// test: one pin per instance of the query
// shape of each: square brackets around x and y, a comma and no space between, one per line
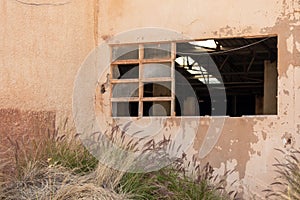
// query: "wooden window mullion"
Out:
[173,57]
[110,78]
[141,85]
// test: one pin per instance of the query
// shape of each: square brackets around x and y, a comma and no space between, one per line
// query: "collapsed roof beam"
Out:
[251,62]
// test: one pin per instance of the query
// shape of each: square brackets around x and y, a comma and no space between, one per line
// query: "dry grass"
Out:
[87,191]
[287,182]
[52,167]
[175,182]
[57,168]
[56,183]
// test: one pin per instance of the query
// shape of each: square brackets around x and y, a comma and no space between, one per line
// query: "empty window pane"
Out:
[125,109]
[125,52]
[157,89]
[125,90]
[152,70]
[130,71]
[153,51]
[157,108]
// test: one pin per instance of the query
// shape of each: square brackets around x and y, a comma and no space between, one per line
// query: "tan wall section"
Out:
[197,19]
[41,48]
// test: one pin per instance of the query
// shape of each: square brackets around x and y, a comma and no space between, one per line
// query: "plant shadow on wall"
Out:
[57,166]
[287,183]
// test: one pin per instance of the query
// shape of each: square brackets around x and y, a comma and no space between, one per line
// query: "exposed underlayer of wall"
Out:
[42,45]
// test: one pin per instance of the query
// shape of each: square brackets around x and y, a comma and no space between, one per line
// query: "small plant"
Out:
[287,184]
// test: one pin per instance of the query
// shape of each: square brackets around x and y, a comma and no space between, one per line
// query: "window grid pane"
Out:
[160,74]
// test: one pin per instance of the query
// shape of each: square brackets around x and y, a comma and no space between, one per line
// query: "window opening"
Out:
[144,82]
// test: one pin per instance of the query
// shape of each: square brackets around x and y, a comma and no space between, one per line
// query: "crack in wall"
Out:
[42,4]
[96,21]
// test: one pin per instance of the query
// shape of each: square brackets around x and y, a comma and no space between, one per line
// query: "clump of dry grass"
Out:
[3,180]
[38,183]
[52,167]
[53,148]
[87,191]
[287,183]
[175,182]
[56,182]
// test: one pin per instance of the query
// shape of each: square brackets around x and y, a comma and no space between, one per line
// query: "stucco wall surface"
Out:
[246,143]
[43,43]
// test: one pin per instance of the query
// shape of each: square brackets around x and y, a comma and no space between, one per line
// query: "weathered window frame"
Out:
[141,61]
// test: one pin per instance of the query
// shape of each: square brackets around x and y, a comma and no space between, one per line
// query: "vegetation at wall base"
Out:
[59,167]
[168,183]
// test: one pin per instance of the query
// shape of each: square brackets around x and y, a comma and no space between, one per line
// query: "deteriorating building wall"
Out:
[247,143]
[43,44]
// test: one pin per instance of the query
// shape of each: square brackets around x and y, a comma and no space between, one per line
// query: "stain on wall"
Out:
[19,126]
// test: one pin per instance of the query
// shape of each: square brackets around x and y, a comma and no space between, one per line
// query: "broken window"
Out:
[143,79]
[144,82]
